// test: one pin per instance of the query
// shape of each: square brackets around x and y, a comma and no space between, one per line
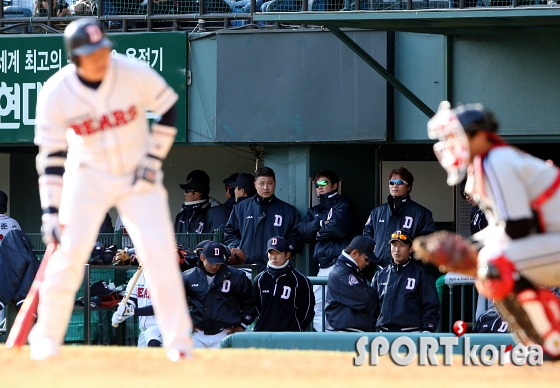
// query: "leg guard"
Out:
[533,314]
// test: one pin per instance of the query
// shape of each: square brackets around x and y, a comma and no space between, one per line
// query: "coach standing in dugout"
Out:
[254,221]
[283,296]
[220,297]
[329,226]
[350,300]
[407,300]
[400,212]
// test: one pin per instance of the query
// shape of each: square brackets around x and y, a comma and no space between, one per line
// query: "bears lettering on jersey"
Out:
[143,293]
[115,119]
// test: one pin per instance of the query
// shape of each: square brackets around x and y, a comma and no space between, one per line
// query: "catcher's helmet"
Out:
[474,117]
[83,37]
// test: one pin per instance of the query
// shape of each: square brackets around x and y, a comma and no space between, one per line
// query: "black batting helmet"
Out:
[474,117]
[83,37]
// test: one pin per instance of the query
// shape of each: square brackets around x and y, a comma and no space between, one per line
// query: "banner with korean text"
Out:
[27,61]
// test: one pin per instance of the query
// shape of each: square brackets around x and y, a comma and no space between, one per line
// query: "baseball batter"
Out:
[140,304]
[95,152]
[520,197]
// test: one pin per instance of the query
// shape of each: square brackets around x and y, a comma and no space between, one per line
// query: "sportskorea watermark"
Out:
[428,347]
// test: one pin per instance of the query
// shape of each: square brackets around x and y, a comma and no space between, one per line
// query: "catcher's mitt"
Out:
[448,251]
[121,258]
[236,256]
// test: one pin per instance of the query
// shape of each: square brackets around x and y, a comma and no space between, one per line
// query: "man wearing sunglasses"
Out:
[192,216]
[350,300]
[400,212]
[329,226]
[518,250]
[407,300]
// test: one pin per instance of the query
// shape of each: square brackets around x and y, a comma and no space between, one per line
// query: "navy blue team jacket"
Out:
[226,302]
[331,238]
[191,218]
[349,298]
[284,300]
[490,322]
[255,221]
[400,213]
[407,298]
[217,216]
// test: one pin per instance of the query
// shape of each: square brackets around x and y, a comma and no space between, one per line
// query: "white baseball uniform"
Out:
[7,224]
[148,325]
[106,134]
[513,185]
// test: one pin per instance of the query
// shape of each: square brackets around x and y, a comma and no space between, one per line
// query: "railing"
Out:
[22,16]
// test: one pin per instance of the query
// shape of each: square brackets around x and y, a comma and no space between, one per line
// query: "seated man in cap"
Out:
[350,300]
[217,216]
[192,217]
[406,293]
[283,296]
[220,297]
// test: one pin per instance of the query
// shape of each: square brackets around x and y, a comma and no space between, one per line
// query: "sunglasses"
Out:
[322,183]
[190,191]
[399,236]
[399,182]
[362,253]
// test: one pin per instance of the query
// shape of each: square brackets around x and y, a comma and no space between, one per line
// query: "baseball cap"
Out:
[196,185]
[99,288]
[399,235]
[214,252]
[231,179]
[279,244]
[3,202]
[245,181]
[364,244]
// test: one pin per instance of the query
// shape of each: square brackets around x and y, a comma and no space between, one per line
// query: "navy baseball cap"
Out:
[196,185]
[99,288]
[214,252]
[229,181]
[366,245]
[399,235]
[279,244]
[245,181]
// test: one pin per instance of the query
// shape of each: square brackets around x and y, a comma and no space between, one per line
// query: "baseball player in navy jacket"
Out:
[283,296]
[329,226]
[220,297]
[399,212]
[349,297]
[254,221]
[406,293]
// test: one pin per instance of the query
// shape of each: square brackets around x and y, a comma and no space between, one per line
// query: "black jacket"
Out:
[191,218]
[255,221]
[349,298]
[284,300]
[226,302]
[217,217]
[18,266]
[400,213]
[407,298]
[332,237]
[478,220]
[490,322]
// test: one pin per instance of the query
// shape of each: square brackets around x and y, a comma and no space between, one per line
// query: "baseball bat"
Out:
[26,315]
[132,285]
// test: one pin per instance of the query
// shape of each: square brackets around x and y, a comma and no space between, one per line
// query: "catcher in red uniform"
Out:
[518,254]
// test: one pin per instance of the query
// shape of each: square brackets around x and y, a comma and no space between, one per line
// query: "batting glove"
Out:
[122,313]
[146,174]
[50,228]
